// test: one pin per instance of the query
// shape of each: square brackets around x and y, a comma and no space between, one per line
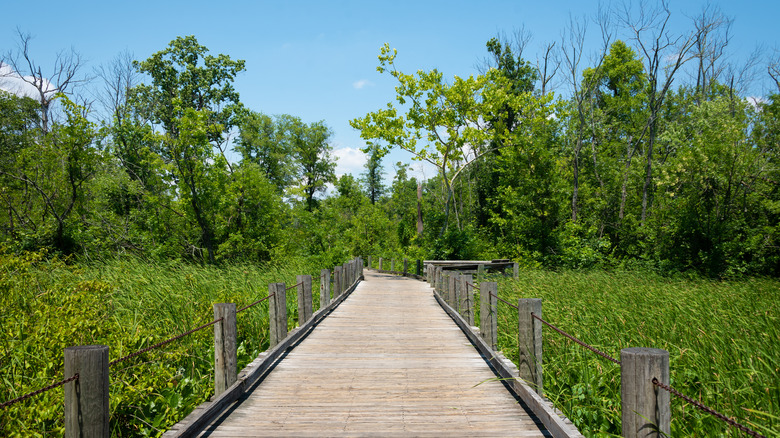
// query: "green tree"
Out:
[444,124]
[311,149]
[373,176]
[192,98]
[262,140]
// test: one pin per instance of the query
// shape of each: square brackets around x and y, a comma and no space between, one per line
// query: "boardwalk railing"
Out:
[86,390]
[645,390]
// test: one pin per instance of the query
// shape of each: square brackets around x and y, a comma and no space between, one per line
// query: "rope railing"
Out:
[39,391]
[588,346]
[505,301]
[707,409]
[255,303]
[165,342]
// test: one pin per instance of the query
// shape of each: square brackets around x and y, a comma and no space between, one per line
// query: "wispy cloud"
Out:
[359,85]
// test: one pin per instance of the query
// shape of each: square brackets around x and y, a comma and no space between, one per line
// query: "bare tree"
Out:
[64,74]
[773,68]
[664,54]
[712,36]
[573,43]
[118,76]
[548,65]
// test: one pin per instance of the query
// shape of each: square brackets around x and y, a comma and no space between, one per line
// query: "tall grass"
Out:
[127,305]
[723,339]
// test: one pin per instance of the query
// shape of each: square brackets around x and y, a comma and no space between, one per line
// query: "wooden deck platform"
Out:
[387,362]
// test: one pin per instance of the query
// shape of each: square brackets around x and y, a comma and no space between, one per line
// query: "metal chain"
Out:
[589,347]
[255,303]
[707,409]
[160,344]
[40,391]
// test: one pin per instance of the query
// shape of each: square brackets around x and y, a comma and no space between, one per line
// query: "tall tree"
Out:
[445,125]
[311,148]
[373,176]
[192,98]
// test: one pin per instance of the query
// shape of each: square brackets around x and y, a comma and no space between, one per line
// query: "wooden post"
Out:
[86,399]
[452,292]
[481,272]
[304,299]
[516,271]
[440,279]
[225,354]
[380,263]
[466,298]
[392,265]
[277,313]
[369,262]
[487,312]
[418,271]
[406,267]
[529,342]
[646,410]
[324,288]
[337,280]
[347,275]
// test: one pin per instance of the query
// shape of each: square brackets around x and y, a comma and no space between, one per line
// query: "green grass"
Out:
[128,305]
[723,339]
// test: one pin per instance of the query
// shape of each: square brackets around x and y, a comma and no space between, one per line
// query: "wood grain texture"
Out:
[387,362]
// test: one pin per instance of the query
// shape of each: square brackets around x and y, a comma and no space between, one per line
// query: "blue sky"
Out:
[317,59]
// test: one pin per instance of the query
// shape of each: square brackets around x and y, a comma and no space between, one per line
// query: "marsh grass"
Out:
[723,339]
[128,305]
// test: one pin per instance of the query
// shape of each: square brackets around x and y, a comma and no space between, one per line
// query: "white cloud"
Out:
[349,160]
[12,82]
[359,85]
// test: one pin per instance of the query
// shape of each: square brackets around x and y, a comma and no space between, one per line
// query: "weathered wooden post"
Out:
[225,353]
[646,410]
[380,263]
[86,399]
[337,281]
[324,288]
[418,271]
[488,323]
[304,298]
[369,262]
[429,274]
[440,279]
[452,293]
[406,267]
[392,265]
[277,313]
[481,271]
[529,342]
[465,300]
[516,270]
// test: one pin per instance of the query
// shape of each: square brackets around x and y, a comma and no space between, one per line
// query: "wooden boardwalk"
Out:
[387,362]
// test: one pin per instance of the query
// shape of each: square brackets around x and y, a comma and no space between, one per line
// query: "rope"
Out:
[707,409]
[589,347]
[505,301]
[294,286]
[160,344]
[255,303]
[40,391]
